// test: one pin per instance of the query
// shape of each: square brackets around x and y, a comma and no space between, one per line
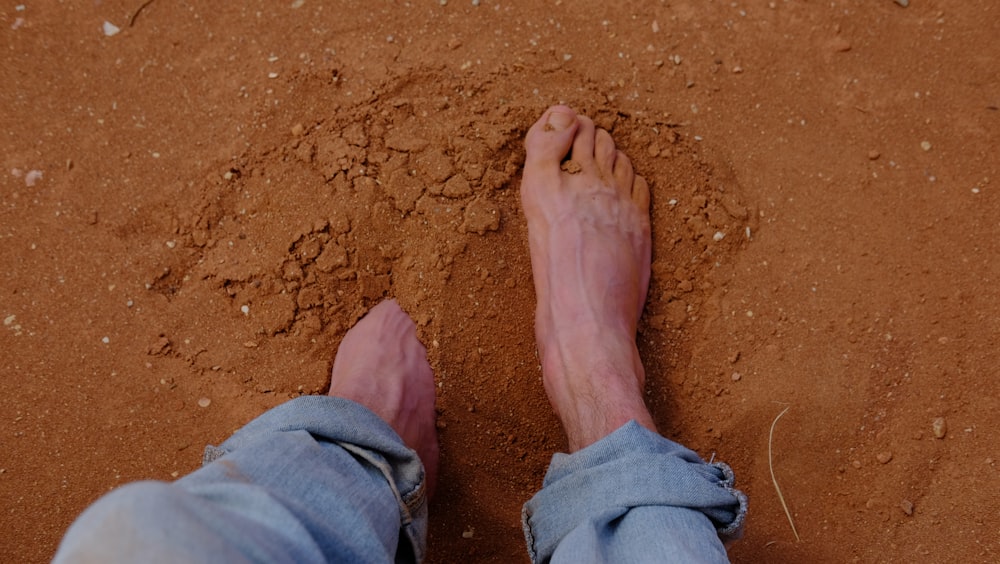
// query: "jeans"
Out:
[321,479]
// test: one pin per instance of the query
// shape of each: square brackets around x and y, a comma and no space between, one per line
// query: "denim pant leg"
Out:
[633,496]
[313,480]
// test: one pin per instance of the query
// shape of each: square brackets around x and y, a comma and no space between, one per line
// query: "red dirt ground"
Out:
[307,159]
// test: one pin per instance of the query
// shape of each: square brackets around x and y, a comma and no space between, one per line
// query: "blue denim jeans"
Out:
[321,479]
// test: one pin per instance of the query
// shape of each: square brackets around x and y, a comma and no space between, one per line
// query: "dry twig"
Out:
[770,465]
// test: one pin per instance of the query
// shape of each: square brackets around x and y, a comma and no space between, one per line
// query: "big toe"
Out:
[549,140]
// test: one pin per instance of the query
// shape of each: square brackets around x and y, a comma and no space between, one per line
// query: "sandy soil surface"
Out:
[195,209]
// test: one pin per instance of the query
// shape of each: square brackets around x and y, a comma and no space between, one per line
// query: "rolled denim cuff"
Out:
[360,432]
[630,468]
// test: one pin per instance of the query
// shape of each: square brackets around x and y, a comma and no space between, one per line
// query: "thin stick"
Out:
[770,465]
[131,21]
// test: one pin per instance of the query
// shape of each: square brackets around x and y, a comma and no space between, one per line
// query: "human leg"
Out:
[589,237]
[316,479]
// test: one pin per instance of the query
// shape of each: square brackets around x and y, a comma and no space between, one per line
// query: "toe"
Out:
[583,144]
[623,173]
[640,193]
[551,137]
[604,153]
[388,307]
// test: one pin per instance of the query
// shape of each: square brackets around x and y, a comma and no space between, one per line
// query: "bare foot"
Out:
[382,365]
[589,235]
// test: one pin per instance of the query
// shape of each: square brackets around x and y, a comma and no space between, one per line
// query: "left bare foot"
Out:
[383,366]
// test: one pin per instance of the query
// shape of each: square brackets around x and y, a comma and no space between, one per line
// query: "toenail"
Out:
[560,120]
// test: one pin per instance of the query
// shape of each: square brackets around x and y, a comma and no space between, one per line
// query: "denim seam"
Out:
[733,530]
[405,514]
[529,537]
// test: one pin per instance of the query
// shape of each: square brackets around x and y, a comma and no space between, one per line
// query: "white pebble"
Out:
[110,29]
[9,319]
[245,309]
[204,402]
[105,340]
[719,235]
[171,244]
[32,177]
[272,75]
[925,145]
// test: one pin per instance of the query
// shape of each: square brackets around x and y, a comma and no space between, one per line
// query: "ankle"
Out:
[595,387]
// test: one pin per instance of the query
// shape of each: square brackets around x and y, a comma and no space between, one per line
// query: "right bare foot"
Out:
[589,236]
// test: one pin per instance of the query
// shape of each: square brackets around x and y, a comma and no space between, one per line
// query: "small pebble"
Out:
[903,3]
[873,155]
[468,533]
[940,427]
[105,340]
[32,177]
[719,235]
[245,309]
[856,464]
[110,29]
[298,129]
[884,457]
[925,145]
[907,506]
[840,45]
[204,402]
[737,376]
